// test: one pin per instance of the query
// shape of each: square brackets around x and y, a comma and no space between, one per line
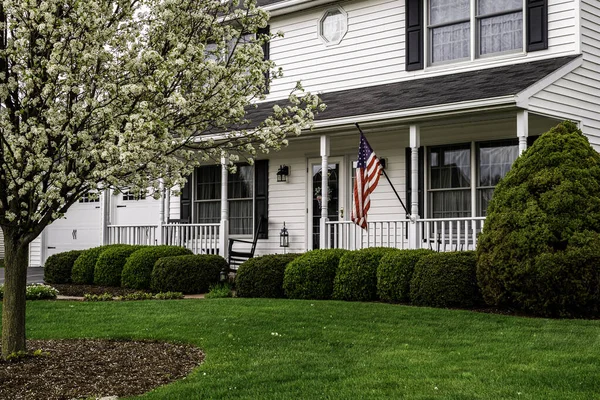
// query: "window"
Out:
[494,160]
[498,25]
[246,193]
[333,26]
[127,196]
[450,181]
[450,188]
[90,197]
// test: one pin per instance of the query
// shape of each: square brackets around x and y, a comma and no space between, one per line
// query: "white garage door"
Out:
[81,229]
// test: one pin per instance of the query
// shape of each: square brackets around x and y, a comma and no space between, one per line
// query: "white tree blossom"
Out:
[119,93]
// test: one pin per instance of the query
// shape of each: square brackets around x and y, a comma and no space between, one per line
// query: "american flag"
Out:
[368,169]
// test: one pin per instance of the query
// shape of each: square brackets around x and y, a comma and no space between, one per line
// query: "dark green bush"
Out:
[395,272]
[311,275]
[542,223]
[110,265]
[83,268]
[356,278]
[58,267]
[187,274]
[446,280]
[138,268]
[263,276]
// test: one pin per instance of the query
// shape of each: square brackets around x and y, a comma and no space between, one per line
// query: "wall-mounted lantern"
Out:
[282,173]
[284,237]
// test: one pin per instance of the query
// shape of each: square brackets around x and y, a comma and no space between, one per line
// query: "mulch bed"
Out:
[80,290]
[83,368]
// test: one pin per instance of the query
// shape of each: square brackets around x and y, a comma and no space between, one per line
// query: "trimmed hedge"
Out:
[446,280]
[311,275]
[356,278]
[110,265]
[137,271]
[187,274]
[58,267]
[263,276]
[395,272]
[83,268]
[538,251]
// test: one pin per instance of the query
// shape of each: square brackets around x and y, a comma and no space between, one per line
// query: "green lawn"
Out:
[284,349]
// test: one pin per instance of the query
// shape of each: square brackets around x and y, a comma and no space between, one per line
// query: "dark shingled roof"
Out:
[262,3]
[438,90]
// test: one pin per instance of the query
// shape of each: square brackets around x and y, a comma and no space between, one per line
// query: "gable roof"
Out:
[434,91]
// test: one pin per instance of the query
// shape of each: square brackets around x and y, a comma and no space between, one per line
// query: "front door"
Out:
[336,199]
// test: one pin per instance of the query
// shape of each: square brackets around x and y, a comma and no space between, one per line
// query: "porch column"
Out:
[161,218]
[224,224]
[413,229]
[522,129]
[105,215]
[324,190]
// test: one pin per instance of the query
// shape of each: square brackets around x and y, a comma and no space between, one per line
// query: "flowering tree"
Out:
[111,93]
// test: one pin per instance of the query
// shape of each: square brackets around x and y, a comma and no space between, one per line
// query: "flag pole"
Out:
[387,177]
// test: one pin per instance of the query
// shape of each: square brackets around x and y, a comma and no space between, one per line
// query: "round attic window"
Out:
[333,26]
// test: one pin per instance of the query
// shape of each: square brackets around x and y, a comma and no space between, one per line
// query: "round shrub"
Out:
[137,271]
[395,272]
[58,267]
[542,223]
[263,276]
[187,274]
[83,268]
[110,265]
[356,278]
[446,280]
[311,275]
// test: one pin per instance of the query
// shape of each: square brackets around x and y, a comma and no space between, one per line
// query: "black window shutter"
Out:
[414,35]
[537,25]
[266,47]
[185,210]
[409,181]
[261,197]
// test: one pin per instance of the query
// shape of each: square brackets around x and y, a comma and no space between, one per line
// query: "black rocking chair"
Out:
[238,257]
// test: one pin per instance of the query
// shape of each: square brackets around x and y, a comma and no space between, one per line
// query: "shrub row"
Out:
[160,268]
[422,277]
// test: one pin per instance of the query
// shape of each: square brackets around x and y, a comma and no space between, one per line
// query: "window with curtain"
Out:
[450,29]
[208,195]
[494,160]
[500,25]
[450,181]
[240,193]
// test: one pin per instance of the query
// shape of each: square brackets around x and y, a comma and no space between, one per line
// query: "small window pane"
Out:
[453,170]
[208,212]
[495,161]
[451,204]
[241,183]
[448,11]
[483,201]
[486,7]
[333,26]
[240,217]
[502,33]
[451,42]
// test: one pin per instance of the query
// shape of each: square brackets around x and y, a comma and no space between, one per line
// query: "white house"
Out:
[448,92]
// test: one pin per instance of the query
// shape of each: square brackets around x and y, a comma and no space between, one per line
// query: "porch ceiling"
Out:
[437,91]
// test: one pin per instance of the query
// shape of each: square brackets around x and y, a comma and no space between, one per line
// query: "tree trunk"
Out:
[13,305]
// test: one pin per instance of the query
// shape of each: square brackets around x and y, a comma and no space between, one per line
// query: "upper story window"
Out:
[498,26]
[333,26]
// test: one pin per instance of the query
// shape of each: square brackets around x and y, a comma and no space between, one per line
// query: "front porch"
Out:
[458,160]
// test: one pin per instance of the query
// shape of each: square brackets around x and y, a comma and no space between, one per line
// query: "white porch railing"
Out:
[132,234]
[347,235]
[450,234]
[199,238]
[439,234]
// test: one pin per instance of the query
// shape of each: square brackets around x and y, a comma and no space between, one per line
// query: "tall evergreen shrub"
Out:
[540,247]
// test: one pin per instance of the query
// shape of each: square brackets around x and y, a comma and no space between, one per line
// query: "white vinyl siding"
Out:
[577,95]
[372,51]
